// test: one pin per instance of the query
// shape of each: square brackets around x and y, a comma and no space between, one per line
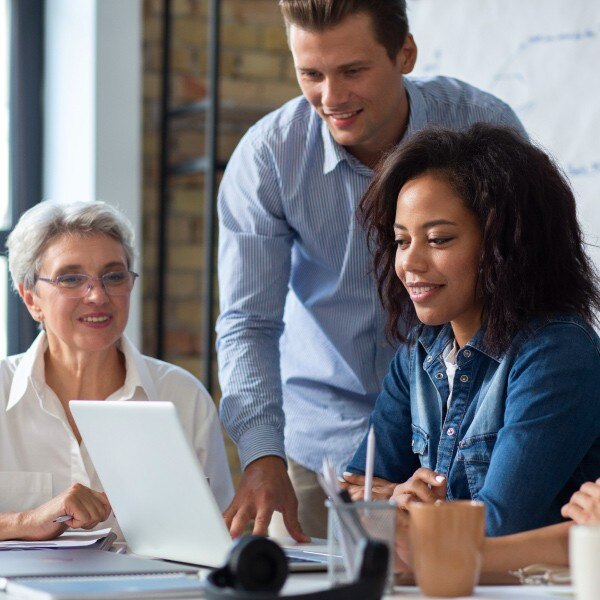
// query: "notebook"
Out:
[81,562]
[92,573]
[107,587]
[156,485]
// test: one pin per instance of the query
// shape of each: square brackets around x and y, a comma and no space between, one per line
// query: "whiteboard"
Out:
[540,56]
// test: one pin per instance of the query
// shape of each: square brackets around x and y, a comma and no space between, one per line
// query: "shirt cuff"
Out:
[259,441]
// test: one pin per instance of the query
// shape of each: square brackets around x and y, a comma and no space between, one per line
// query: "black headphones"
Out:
[257,569]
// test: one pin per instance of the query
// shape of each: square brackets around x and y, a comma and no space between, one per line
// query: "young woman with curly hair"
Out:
[493,394]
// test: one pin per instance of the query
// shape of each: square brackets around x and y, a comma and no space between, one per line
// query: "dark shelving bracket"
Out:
[208,164]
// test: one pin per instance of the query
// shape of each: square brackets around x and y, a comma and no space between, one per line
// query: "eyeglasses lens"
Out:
[117,283]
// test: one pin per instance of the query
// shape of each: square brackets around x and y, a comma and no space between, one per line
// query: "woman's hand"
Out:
[86,507]
[355,484]
[424,486]
[584,505]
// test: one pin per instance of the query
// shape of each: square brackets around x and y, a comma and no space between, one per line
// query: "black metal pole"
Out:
[26,139]
[163,192]
[210,181]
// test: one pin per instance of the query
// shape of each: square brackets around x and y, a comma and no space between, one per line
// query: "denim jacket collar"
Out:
[434,339]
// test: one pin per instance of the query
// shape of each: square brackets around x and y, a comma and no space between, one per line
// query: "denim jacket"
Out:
[522,432]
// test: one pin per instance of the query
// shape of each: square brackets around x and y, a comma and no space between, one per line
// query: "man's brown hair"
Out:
[390,22]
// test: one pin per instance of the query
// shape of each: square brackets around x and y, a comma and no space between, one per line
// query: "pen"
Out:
[370,463]
[62,519]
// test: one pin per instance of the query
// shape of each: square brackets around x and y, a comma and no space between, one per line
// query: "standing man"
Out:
[301,346]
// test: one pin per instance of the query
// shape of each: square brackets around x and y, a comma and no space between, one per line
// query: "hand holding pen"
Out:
[382,489]
[78,507]
[368,487]
[425,485]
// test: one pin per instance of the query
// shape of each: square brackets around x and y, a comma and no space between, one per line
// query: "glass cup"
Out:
[584,558]
[347,524]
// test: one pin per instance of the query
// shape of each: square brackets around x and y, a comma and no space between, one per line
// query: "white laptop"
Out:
[156,486]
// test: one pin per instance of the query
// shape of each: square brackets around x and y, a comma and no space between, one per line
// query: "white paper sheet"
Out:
[69,539]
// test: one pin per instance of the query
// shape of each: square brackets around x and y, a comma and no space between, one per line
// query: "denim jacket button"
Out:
[464,378]
[429,359]
[439,376]
[467,354]
[451,431]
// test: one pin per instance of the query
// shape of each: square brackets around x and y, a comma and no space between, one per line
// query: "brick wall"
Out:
[256,76]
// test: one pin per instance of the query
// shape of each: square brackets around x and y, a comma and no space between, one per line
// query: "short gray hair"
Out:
[47,220]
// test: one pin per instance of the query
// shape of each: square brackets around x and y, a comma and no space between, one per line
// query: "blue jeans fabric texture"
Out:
[522,432]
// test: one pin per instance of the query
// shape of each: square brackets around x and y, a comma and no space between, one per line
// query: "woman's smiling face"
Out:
[94,322]
[439,245]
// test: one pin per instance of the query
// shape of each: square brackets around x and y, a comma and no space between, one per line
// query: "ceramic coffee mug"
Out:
[584,558]
[447,546]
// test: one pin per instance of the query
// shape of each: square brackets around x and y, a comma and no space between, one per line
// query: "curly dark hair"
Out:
[532,262]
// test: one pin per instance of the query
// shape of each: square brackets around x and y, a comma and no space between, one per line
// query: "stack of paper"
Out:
[101,539]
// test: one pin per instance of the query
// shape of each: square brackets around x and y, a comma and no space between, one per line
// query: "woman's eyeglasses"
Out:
[78,285]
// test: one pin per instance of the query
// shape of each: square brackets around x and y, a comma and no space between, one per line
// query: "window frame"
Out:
[26,65]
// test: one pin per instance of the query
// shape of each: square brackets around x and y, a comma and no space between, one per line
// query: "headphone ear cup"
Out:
[257,564]
[374,562]
[221,578]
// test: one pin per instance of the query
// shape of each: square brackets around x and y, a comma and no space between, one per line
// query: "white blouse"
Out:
[39,454]
[449,357]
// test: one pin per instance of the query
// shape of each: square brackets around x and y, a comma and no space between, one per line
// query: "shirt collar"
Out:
[334,153]
[435,339]
[477,343]
[417,112]
[137,373]
[450,352]
[30,371]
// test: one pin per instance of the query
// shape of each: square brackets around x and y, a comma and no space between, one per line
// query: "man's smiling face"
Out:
[350,80]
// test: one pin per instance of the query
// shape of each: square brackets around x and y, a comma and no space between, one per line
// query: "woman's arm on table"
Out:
[548,545]
[86,507]
[545,545]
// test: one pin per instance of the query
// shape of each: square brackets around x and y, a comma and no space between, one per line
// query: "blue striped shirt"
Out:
[301,328]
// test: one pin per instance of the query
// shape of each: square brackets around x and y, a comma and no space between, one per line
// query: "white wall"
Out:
[92,110]
[541,58]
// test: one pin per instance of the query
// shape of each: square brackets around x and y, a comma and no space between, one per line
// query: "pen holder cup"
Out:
[347,524]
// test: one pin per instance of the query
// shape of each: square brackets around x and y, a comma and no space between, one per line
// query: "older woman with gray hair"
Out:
[72,266]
